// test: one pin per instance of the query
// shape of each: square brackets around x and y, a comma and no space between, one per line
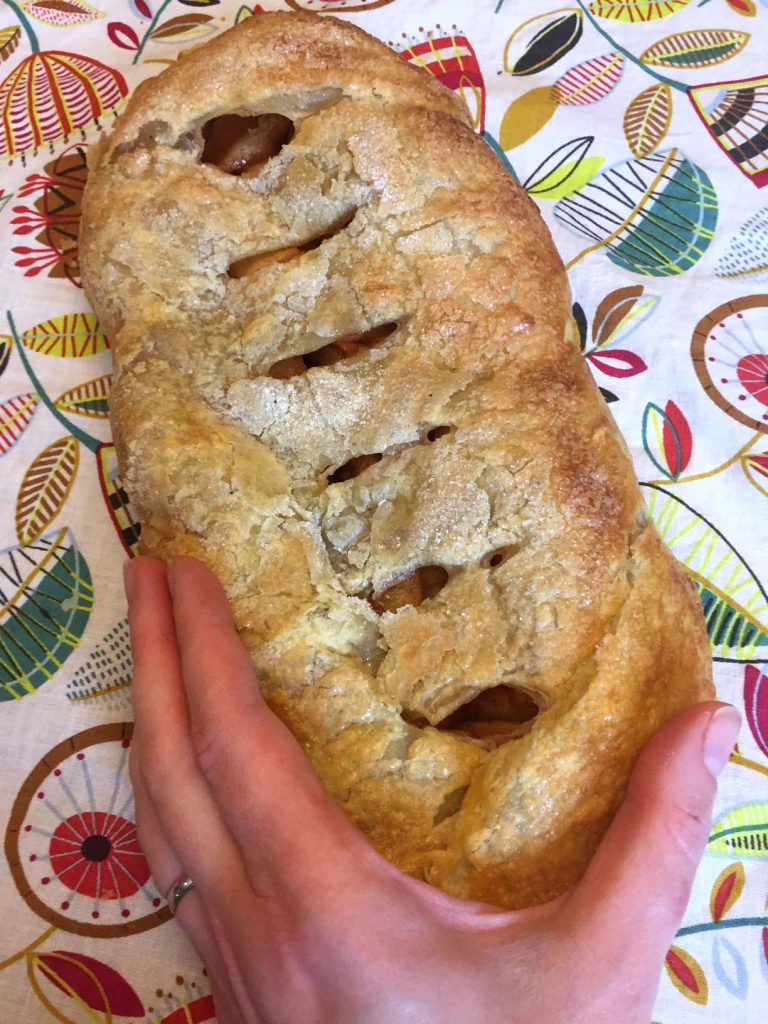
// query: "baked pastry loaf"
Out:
[346,377]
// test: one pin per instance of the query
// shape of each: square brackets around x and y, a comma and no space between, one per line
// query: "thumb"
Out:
[636,889]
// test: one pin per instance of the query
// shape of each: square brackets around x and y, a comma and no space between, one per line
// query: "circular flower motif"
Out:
[97,854]
[71,840]
[729,349]
[752,371]
[50,94]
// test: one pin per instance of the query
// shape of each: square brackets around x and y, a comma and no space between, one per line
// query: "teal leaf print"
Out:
[741,832]
[88,399]
[46,597]
[655,216]
[699,49]
[734,602]
[502,156]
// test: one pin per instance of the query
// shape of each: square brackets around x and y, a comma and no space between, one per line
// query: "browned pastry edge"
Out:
[347,379]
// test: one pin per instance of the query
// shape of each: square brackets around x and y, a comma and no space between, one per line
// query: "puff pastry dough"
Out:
[346,377]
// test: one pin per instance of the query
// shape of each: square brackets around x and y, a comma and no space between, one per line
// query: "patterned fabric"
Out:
[641,130]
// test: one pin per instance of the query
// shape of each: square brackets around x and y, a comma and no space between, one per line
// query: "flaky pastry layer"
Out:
[347,378]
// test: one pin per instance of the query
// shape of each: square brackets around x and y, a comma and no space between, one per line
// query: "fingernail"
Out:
[720,737]
[128,580]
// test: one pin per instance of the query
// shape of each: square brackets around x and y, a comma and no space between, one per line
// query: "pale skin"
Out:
[300,921]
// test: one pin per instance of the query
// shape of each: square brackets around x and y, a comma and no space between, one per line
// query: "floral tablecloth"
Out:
[641,130]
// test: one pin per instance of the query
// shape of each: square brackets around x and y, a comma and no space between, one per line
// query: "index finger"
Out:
[266,789]
[162,749]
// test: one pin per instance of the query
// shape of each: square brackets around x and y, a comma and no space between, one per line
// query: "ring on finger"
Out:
[178,891]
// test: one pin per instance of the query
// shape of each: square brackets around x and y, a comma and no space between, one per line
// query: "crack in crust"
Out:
[463,472]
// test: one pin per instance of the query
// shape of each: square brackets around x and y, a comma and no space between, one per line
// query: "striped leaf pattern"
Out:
[45,488]
[685,973]
[9,40]
[647,118]
[589,81]
[51,94]
[654,216]
[636,10]
[736,116]
[117,501]
[62,12]
[741,832]
[46,597]
[6,342]
[453,61]
[698,49]
[15,414]
[734,602]
[73,336]
[88,399]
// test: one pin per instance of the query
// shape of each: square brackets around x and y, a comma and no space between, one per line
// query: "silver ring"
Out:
[178,891]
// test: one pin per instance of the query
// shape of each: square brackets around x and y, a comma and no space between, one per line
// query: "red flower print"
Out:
[71,840]
[752,371]
[51,94]
[729,349]
[54,218]
[97,854]
[452,60]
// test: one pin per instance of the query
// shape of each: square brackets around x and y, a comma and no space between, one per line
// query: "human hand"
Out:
[300,921]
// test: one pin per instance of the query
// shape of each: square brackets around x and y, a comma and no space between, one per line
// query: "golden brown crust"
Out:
[237,396]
